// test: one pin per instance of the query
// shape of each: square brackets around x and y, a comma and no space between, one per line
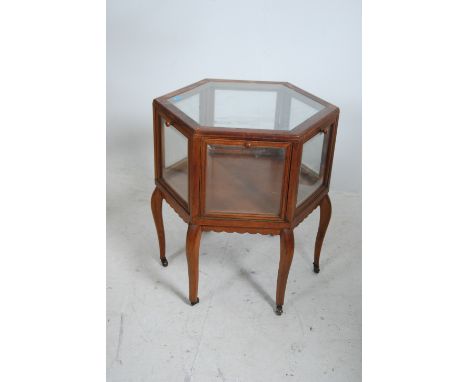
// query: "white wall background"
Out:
[154,47]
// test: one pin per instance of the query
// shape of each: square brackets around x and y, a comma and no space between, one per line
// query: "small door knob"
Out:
[248,145]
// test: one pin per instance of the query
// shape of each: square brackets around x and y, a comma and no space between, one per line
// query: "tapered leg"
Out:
[325,215]
[286,256]
[192,248]
[156,208]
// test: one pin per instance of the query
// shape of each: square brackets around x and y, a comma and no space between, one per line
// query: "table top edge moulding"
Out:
[243,156]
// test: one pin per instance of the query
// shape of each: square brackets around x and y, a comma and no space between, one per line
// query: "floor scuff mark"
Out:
[119,343]
[221,375]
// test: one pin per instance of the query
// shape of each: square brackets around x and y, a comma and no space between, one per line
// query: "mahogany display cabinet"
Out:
[243,156]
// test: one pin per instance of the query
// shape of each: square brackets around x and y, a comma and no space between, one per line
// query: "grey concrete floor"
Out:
[153,334]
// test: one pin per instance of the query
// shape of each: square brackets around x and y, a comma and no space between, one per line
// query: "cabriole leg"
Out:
[192,248]
[286,256]
[325,215]
[156,208]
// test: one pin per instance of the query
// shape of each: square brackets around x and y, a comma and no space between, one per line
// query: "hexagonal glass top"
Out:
[247,105]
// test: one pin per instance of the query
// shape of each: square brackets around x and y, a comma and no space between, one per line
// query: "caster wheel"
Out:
[194,303]
[316,268]
[164,262]
[279,310]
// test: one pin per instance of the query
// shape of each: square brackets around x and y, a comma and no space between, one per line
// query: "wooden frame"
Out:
[192,211]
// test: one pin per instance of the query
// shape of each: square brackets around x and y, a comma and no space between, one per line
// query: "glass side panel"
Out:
[246,105]
[300,111]
[175,159]
[311,175]
[190,105]
[243,179]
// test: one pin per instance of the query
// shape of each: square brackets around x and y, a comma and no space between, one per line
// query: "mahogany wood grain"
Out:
[286,256]
[251,230]
[192,248]
[194,175]
[331,151]
[325,215]
[156,208]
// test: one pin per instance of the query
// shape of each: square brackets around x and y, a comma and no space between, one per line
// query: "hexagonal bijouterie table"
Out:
[243,156]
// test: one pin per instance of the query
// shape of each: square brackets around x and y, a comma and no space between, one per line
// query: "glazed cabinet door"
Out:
[244,177]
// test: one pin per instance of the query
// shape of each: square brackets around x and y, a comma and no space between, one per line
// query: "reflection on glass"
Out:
[300,111]
[312,170]
[248,109]
[246,105]
[190,105]
[175,163]
[243,179]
